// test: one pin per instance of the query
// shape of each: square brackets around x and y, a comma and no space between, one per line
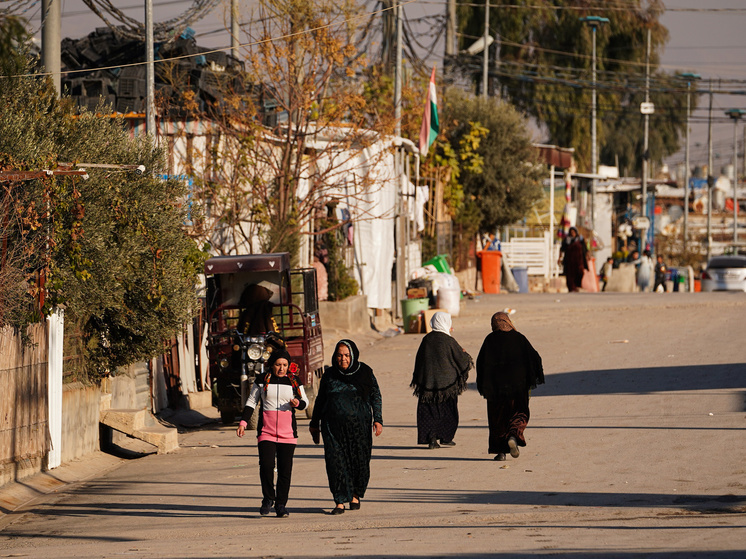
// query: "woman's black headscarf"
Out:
[358,374]
[280,353]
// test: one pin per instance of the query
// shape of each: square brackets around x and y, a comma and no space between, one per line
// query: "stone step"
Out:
[140,424]
[166,439]
[124,420]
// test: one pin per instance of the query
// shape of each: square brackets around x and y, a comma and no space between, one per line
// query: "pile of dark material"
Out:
[110,68]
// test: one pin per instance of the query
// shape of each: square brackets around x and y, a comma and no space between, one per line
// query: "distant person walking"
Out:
[346,413]
[508,368]
[606,270]
[660,274]
[644,271]
[441,370]
[277,433]
[573,257]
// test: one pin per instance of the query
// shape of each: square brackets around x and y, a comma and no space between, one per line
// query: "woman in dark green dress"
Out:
[346,413]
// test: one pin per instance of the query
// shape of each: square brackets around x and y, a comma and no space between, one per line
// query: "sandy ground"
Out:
[636,448]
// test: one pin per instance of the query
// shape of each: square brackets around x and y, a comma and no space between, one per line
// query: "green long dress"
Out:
[346,417]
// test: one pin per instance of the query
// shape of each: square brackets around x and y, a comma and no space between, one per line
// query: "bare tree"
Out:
[291,134]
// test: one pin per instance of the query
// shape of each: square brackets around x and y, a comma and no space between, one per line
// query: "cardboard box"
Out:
[417,293]
[428,315]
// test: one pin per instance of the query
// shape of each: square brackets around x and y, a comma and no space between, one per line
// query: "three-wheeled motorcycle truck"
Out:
[256,304]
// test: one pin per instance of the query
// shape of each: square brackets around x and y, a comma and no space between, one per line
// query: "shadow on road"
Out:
[654,379]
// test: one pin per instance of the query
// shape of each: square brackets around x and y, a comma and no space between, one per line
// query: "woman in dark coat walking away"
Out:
[346,413]
[441,369]
[508,367]
[574,259]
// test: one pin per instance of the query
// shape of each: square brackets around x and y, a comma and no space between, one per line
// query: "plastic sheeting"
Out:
[367,189]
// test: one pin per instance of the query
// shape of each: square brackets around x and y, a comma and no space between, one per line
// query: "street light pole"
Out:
[689,77]
[594,22]
[645,146]
[486,57]
[736,115]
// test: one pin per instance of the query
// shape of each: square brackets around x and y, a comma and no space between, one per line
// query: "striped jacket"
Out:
[277,420]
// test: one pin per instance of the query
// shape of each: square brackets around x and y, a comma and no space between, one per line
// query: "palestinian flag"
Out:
[430,123]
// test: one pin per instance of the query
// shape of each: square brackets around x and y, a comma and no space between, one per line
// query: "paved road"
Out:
[635,448]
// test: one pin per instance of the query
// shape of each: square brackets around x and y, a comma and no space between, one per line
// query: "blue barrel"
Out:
[521,278]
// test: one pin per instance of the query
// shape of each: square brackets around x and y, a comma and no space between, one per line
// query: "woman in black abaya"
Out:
[508,367]
[441,369]
[347,412]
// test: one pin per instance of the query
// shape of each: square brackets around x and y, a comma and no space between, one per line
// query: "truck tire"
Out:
[227,417]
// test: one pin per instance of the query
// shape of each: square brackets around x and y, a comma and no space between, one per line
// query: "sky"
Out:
[705,38]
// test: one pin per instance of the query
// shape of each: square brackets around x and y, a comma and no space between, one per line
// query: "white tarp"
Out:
[367,189]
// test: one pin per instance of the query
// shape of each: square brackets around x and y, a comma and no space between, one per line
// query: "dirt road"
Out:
[636,447]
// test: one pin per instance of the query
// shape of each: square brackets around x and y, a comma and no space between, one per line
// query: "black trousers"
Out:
[267,452]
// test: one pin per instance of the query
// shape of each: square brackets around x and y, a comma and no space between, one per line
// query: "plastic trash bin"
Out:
[675,279]
[520,274]
[440,262]
[490,270]
[411,308]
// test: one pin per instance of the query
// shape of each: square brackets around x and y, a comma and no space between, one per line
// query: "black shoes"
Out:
[266,507]
[339,510]
[281,511]
[433,444]
[513,444]
[354,505]
[448,443]
[500,457]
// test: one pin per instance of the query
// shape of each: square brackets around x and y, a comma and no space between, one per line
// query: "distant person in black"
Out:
[573,256]
[660,273]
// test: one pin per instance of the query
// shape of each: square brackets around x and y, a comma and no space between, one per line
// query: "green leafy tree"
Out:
[502,181]
[545,59]
[116,256]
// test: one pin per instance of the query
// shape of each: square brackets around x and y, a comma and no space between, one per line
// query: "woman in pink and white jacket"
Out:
[277,432]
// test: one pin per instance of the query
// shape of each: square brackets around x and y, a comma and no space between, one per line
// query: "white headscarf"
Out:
[441,322]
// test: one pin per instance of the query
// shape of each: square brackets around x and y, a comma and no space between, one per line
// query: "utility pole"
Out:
[594,22]
[710,178]
[51,23]
[486,58]
[736,115]
[689,77]
[450,49]
[398,67]
[645,154]
[401,218]
[234,28]
[150,70]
